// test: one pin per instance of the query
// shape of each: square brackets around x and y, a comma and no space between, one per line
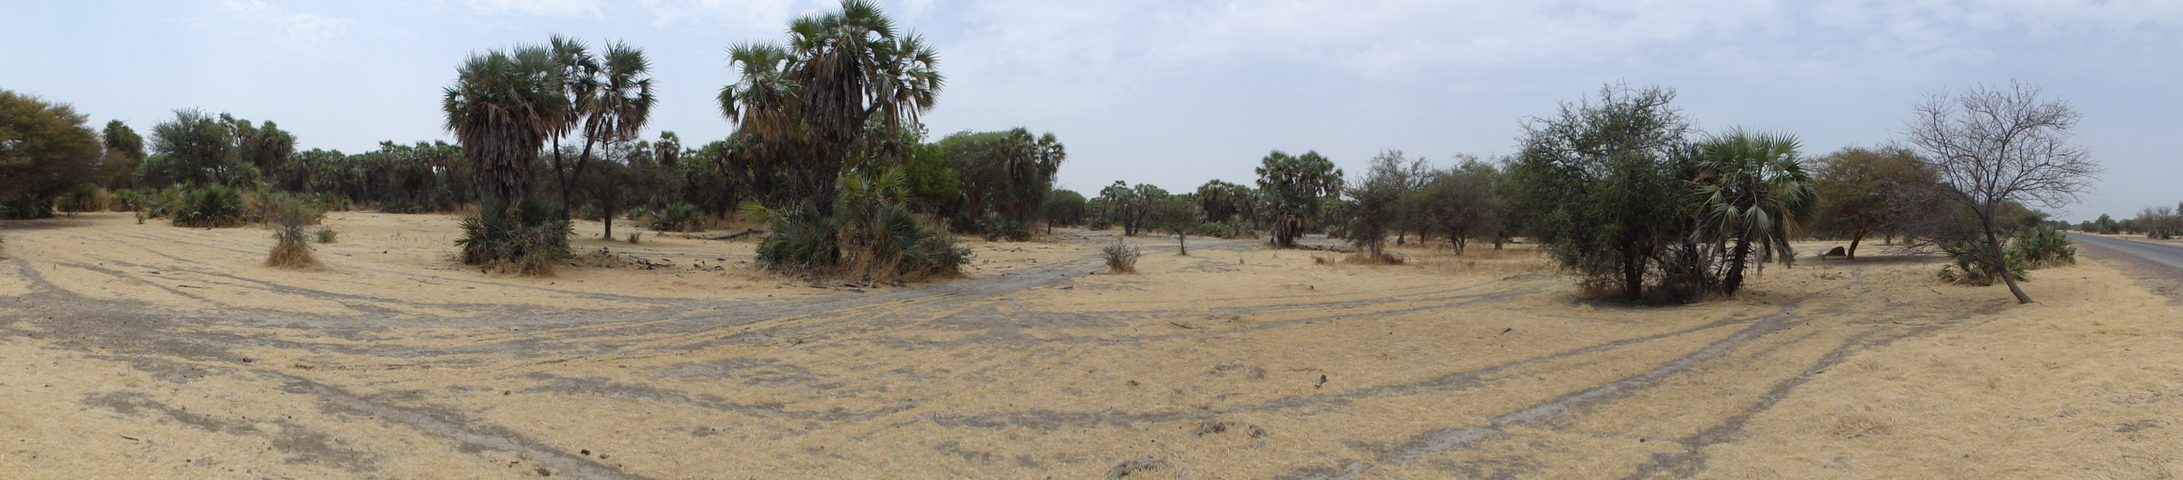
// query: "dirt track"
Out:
[1236,362]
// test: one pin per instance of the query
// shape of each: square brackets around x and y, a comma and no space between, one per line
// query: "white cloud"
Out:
[550,8]
[771,15]
[296,29]
[1097,48]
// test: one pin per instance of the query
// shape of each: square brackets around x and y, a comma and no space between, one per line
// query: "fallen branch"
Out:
[730,236]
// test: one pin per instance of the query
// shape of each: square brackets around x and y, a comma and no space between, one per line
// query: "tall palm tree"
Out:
[840,73]
[502,107]
[616,104]
[766,107]
[1752,189]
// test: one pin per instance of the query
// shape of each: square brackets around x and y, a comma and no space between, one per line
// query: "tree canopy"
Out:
[1599,183]
[45,149]
[1293,190]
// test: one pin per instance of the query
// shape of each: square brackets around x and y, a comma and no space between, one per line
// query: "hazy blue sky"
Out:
[1174,92]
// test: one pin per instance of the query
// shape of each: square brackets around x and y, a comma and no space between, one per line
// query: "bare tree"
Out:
[1995,145]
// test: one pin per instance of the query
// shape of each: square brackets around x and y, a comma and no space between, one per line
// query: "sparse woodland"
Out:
[830,155]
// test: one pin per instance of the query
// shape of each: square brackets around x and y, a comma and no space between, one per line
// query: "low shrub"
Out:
[678,217]
[2044,246]
[872,236]
[1965,268]
[209,207]
[527,239]
[125,201]
[83,198]
[26,207]
[1215,230]
[1098,224]
[996,228]
[1121,258]
[165,202]
[288,215]
[328,235]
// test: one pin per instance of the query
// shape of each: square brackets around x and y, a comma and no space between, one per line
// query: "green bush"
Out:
[26,207]
[328,235]
[1216,230]
[1965,268]
[125,201]
[2043,246]
[165,202]
[1098,224]
[209,207]
[678,217]
[872,236]
[83,198]
[528,239]
[996,228]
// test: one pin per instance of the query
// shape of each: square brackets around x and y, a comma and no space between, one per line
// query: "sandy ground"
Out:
[150,351]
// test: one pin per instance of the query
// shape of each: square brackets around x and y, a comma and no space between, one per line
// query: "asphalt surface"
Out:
[2170,256]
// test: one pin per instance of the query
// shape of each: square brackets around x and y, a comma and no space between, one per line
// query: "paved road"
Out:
[2170,256]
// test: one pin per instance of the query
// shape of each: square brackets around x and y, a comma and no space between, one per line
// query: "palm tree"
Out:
[502,107]
[1752,189]
[840,74]
[765,105]
[616,104]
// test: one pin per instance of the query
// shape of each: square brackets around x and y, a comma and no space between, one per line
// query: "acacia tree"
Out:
[2161,223]
[45,149]
[1064,208]
[1602,183]
[1463,203]
[1995,146]
[193,148]
[124,152]
[1293,192]
[1866,191]
[1378,201]
[1177,214]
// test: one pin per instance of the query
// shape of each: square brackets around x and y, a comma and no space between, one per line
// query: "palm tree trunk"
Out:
[1633,272]
[1736,260]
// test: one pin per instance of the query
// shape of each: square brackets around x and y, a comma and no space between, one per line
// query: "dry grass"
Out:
[1236,362]
[1120,257]
[291,249]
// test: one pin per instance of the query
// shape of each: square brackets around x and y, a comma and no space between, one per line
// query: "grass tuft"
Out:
[1121,258]
[288,216]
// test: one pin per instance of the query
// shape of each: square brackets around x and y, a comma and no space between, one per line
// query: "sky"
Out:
[1175,92]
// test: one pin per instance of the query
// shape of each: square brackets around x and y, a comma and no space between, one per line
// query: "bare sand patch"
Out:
[1233,362]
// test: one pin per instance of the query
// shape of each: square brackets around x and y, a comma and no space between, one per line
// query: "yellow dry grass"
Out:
[147,351]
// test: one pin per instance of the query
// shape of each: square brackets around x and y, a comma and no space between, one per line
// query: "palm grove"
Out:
[829,153]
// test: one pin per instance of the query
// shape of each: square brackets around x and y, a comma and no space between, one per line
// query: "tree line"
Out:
[829,152]
[1623,190]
